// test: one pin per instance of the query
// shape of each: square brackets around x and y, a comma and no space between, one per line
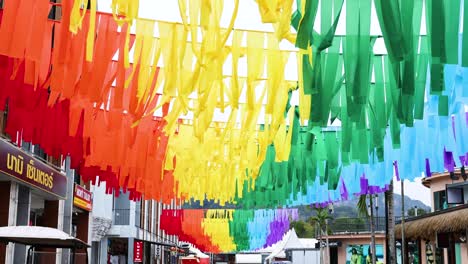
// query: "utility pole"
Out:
[390,225]
[372,228]
[403,243]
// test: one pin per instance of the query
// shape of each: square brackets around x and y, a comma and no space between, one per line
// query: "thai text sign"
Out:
[82,198]
[15,163]
[137,251]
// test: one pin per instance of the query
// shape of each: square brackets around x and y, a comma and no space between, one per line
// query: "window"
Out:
[77,178]
[149,215]
[440,202]
[39,152]
[142,213]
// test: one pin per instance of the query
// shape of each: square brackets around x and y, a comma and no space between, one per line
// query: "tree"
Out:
[303,229]
[321,219]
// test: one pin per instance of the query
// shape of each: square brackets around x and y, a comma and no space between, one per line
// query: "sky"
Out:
[248,18]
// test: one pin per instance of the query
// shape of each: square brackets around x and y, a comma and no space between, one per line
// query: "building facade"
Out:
[126,231]
[440,236]
[39,190]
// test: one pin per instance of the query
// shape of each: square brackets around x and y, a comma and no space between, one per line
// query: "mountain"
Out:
[349,208]
[341,209]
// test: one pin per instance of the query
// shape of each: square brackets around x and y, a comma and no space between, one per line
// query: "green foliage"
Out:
[362,206]
[303,229]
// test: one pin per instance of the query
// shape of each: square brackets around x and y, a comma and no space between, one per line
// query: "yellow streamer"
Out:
[125,11]
[77,15]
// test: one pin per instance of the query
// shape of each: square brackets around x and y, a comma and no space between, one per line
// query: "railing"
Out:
[356,225]
[121,217]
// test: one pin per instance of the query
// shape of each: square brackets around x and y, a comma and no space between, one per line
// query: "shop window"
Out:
[149,216]
[26,146]
[77,178]
[57,162]
[440,201]
[138,214]
[39,153]
[122,209]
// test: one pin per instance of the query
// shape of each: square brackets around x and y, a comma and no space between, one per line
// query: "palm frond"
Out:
[362,206]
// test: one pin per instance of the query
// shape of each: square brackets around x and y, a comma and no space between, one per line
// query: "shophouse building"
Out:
[440,236]
[38,190]
[127,231]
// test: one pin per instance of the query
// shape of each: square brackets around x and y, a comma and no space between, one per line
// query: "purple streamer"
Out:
[364,185]
[428,168]
[280,225]
[449,163]
[343,190]
[397,173]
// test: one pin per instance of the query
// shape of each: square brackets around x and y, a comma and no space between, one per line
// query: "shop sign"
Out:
[15,163]
[330,244]
[138,251]
[82,198]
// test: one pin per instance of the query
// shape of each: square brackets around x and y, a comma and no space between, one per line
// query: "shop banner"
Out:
[137,251]
[15,163]
[82,198]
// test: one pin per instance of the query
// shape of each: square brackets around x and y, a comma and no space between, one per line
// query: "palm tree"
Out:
[362,211]
[321,219]
[390,217]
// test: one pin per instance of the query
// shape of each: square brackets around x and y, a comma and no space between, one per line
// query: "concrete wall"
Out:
[102,202]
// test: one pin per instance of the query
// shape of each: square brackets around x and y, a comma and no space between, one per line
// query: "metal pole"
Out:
[28,258]
[387,248]
[372,228]
[403,242]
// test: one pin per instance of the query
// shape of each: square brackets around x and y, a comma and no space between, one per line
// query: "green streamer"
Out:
[421,81]
[465,34]
[388,13]
[443,105]
[452,15]
[306,24]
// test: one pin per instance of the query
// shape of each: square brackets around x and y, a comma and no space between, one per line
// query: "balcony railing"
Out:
[356,225]
[121,216]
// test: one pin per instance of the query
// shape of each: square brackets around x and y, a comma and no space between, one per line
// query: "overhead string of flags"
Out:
[141,111]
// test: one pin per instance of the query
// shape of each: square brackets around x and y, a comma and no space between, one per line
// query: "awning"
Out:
[40,236]
[450,220]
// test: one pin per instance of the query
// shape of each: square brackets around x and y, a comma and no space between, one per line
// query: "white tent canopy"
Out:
[289,241]
[40,236]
